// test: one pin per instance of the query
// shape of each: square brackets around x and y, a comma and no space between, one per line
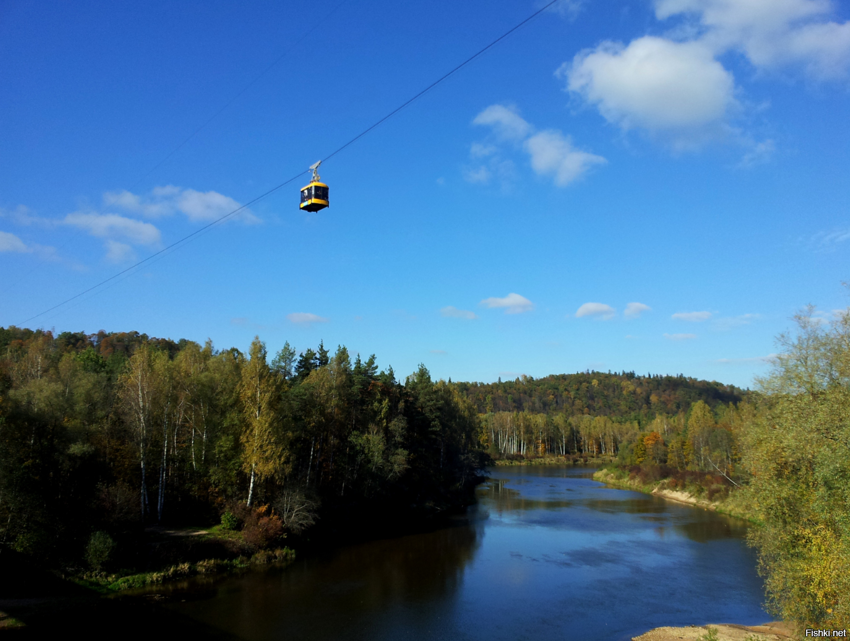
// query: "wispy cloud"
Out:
[25,217]
[692,317]
[512,303]
[119,252]
[438,352]
[477,175]
[166,200]
[759,154]
[505,121]
[598,310]
[634,310]
[454,312]
[826,241]
[113,226]
[680,337]
[551,153]
[731,322]
[11,243]
[305,319]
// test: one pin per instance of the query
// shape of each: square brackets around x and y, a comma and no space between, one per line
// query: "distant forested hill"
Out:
[625,396]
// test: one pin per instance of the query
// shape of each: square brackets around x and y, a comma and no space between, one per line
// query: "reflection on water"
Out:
[547,552]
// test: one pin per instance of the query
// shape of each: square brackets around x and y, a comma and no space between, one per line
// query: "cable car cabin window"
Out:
[305,195]
[320,192]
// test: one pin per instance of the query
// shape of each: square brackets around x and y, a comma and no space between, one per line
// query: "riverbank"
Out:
[555,460]
[732,504]
[774,631]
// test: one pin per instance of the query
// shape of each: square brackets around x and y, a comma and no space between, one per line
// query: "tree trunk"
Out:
[251,486]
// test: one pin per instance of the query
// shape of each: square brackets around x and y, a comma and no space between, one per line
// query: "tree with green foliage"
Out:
[798,453]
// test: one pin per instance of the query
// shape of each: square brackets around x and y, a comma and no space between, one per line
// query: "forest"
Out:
[104,434]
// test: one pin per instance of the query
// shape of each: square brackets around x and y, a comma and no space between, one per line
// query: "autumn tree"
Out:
[259,393]
[798,453]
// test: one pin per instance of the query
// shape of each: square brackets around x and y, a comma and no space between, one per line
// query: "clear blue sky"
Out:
[647,185]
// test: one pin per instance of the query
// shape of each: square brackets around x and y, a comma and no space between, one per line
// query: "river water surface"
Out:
[547,553]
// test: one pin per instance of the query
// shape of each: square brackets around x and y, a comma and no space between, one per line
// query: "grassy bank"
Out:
[699,490]
[116,582]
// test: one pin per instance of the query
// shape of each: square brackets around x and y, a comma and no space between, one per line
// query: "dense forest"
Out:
[105,433]
[594,414]
[624,396]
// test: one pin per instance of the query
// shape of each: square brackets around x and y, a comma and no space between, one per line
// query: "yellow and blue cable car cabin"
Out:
[315,195]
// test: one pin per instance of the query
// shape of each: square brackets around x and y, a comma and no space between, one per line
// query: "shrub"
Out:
[261,529]
[717,492]
[99,549]
[229,521]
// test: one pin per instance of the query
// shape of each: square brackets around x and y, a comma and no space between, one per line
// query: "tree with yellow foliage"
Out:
[259,393]
[798,453]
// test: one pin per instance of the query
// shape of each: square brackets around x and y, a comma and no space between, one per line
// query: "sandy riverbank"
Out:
[731,506]
[775,631]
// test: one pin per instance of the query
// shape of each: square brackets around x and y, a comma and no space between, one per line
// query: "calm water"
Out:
[547,553]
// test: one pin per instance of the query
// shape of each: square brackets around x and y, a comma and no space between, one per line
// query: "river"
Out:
[547,553]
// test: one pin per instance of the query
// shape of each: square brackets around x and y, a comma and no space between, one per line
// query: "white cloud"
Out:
[692,317]
[603,311]
[734,321]
[568,8]
[169,199]
[119,252]
[303,318]
[505,121]
[552,153]
[512,303]
[11,243]
[132,202]
[759,154]
[675,90]
[211,205]
[438,352]
[634,310]
[771,33]
[479,175]
[481,150]
[24,216]
[454,312]
[114,226]
[680,337]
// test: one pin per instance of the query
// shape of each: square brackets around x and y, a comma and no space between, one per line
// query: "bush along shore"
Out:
[700,489]
[161,555]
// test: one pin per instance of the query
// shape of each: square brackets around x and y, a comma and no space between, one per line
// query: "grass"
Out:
[711,635]
[235,553]
[105,583]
